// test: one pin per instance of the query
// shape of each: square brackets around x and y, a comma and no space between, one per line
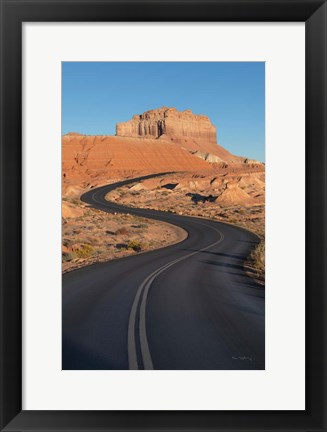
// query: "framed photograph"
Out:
[163,208]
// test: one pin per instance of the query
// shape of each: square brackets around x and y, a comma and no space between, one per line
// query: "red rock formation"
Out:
[96,156]
[169,122]
[157,141]
[193,132]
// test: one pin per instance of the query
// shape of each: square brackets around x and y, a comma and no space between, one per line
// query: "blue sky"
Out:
[97,95]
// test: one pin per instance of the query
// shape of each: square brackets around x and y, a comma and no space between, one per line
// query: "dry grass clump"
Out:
[84,251]
[78,251]
[257,257]
[136,245]
[67,256]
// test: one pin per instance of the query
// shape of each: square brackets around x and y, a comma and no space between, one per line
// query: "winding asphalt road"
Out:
[188,306]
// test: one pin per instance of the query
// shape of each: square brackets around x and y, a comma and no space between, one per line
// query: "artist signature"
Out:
[242,358]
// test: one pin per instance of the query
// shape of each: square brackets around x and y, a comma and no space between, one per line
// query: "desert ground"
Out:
[90,235]
[224,196]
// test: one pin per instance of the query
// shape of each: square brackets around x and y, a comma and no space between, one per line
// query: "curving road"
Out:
[186,306]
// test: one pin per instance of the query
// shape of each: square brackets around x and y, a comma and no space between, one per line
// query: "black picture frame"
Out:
[13,14]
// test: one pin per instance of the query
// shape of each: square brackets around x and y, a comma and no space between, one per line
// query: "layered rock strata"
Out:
[169,122]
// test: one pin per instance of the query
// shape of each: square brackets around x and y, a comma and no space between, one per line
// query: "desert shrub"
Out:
[66,256]
[136,245]
[141,225]
[122,230]
[84,251]
[121,246]
[258,257]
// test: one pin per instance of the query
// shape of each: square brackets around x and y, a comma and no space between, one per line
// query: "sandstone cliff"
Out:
[192,132]
[169,122]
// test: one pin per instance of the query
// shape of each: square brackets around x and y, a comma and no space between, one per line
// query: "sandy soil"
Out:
[90,235]
[237,199]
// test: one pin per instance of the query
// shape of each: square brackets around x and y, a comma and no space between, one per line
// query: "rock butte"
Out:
[169,122]
[192,131]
